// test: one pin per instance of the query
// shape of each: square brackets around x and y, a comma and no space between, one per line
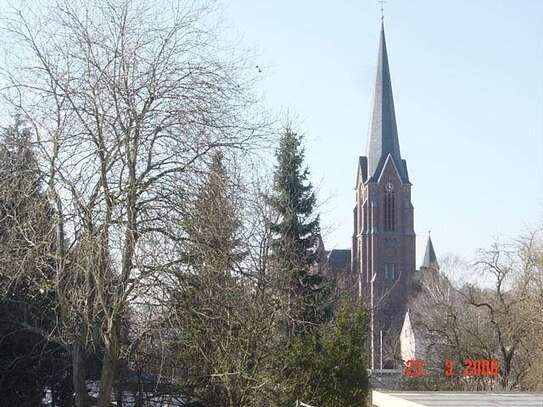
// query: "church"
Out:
[380,268]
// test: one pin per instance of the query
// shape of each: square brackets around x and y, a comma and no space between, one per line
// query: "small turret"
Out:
[430,260]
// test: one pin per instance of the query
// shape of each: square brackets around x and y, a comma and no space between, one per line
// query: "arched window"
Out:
[390,271]
[390,213]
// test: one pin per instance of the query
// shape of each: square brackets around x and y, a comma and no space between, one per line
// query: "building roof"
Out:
[362,169]
[383,137]
[339,259]
[455,399]
[430,259]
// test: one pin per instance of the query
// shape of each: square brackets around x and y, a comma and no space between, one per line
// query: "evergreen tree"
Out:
[328,368]
[213,224]
[296,230]
[29,361]
[210,301]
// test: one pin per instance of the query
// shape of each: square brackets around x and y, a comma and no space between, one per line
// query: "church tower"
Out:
[383,243]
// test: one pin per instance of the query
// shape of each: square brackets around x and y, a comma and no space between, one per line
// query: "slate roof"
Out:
[339,260]
[363,168]
[430,259]
[383,137]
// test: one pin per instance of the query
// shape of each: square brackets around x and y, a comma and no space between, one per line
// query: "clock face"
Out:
[389,186]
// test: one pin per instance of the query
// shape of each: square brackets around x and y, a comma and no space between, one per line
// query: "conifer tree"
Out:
[329,369]
[29,361]
[213,223]
[325,357]
[210,303]
[296,229]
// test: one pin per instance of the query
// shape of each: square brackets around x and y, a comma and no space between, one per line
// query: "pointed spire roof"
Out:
[383,137]
[430,259]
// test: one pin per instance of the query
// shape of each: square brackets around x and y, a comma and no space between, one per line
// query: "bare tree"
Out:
[126,100]
[497,320]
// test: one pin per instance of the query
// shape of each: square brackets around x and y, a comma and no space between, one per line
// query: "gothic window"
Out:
[390,271]
[390,213]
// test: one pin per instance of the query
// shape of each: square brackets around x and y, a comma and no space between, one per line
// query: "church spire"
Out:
[383,137]
[430,259]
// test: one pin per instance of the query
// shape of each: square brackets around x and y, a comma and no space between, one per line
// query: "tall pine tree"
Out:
[296,230]
[324,360]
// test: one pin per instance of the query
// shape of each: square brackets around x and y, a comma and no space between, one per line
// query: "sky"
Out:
[467,78]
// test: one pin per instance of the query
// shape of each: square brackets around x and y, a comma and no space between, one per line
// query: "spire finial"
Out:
[382,3]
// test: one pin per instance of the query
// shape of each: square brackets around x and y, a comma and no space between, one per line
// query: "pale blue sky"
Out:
[468,86]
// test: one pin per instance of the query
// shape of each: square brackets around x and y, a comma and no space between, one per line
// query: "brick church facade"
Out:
[381,264]
[383,243]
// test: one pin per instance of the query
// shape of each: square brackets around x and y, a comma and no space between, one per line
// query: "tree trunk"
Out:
[66,393]
[78,375]
[121,373]
[139,398]
[506,369]
[109,368]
